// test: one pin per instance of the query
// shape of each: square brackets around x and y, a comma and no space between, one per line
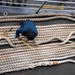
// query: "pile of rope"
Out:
[20,56]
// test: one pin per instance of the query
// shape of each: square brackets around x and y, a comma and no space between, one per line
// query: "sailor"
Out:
[28,29]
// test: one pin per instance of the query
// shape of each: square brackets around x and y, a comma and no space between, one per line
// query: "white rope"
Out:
[50,63]
[8,40]
[22,57]
[48,33]
[36,15]
[67,60]
[38,19]
[68,37]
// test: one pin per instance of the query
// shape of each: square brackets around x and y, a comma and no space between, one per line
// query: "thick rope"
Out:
[23,57]
[38,19]
[35,15]
[49,33]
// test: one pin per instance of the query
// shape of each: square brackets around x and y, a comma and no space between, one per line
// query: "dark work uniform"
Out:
[26,27]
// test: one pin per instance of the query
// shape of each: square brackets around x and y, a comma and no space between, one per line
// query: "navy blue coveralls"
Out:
[25,26]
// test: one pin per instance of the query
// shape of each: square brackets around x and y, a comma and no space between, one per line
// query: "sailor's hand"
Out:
[26,41]
[19,38]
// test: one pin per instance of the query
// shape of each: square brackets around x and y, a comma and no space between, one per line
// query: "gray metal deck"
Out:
[32,6]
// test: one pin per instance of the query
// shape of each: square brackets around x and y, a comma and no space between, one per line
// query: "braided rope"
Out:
[36,15]
[68,38]
[49,33]
[22,57]
[8,40]
[38,19]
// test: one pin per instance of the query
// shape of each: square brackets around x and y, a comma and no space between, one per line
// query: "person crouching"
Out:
[28,29]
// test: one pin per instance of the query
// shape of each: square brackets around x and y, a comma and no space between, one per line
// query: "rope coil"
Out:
[22,57]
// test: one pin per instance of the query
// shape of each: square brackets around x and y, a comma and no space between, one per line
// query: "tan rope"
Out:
[38,19]
[22,57]
[49,33]
[36,15]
